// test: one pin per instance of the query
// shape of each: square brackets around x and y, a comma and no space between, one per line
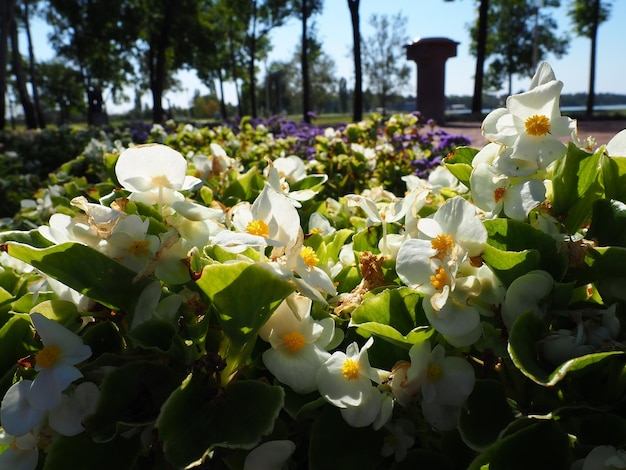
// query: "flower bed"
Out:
[360,297]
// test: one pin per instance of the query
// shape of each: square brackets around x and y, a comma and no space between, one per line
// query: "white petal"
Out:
[67,417]
[150,161]
[17,414]
[520,199]
[617,145]
[296,369]
[45,391]
[271,455]
[52,333]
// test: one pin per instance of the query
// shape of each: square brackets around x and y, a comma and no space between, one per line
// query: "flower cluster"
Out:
[215,299]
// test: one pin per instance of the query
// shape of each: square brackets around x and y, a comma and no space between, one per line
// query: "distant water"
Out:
[608,107]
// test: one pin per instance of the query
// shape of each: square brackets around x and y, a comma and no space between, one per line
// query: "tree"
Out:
[26,13]
[17,67]
[518,34]
[305,9]
[586,16]
[357,107]
[257,18]
[481,41]
[61,89]
[104,63]
[384,62]
[7,15]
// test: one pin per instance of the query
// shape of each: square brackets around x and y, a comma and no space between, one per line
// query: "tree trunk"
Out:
[304,59]
[7,10]
[252,51]
[158,65]
[41,119]
[481,45]
[593,35]
[222,99]
[357,111]
[20,80]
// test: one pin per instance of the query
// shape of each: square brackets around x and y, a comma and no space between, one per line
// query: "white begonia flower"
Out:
[384,213]
[605,457]
[418,192]
[150,305]
[367,412]
[345,379]
[400,439]
[320,224]
[457,220]
[298,344]
[55,362]
[103,218]
[62,228]
[66,419]
[441,177]
[154,173]
[270,220]
[130,243]
[617,145]
[18,416]
[271,455]
[291,168]
[525,293]
[494,192]
[447,380]
[429,264]
[532,121]
[22,452]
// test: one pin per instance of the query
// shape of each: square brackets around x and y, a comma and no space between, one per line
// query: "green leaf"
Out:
[80,452]
[394,315]
[460,163]
[32,238]
[86,270]
[194,418]
[103,337]
[602,429]
[539,444]
[512,235]
[14,337]
[509,265]
[485,414]
[63,312]
[526,331]
[614,177]
[576,185]
[608,223]
[245,295]
[245,188]
[131,395]
[358,448]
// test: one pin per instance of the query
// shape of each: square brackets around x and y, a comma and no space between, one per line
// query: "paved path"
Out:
[603,131]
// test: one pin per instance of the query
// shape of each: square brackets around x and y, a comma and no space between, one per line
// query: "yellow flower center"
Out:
[309,256]
[537,125]
[139,248]
[350,369]
[439,279]
[317,230]
[434,373]
[161,181]
[48,356]
[442,243]
[258,227]
[294,341]
[498,194]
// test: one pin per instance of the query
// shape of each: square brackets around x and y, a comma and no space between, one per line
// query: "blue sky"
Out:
[428,18]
